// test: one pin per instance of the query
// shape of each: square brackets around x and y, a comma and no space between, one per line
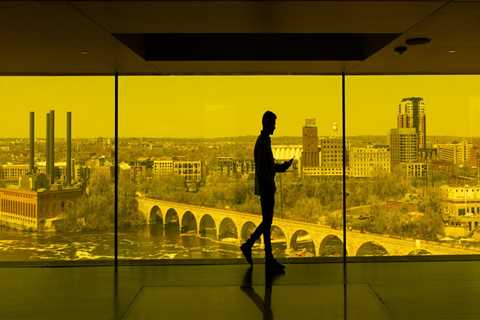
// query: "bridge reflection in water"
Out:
[294,237]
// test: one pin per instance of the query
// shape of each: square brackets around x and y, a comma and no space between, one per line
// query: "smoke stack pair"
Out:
[50,147]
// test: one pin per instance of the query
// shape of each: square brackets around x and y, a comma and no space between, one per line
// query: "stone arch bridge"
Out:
[221,224]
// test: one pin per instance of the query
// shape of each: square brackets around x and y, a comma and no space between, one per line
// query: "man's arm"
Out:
[282,167]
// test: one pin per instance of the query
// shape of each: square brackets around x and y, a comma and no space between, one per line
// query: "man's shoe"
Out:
[247,253]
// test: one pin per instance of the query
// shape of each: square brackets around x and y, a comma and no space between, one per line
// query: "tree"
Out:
[431,224]
[335,219]
[128,213]
[168,187]
[305,209]
[94,211]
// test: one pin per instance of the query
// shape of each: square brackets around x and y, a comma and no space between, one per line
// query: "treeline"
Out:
[318,199]
[94,211]
[426,224]
[219,192]
[308,199]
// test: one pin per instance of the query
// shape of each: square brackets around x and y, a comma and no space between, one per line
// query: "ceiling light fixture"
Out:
[452,51]
[400,49]
[417,41]
[84,52]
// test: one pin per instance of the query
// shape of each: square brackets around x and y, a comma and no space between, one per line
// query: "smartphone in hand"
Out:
[290,162]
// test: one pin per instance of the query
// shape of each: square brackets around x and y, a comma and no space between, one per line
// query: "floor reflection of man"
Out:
[265,170]
[265,304]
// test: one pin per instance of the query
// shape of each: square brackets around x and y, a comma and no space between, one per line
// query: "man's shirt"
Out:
[265,166]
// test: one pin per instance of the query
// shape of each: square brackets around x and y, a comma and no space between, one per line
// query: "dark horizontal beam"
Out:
[255,46]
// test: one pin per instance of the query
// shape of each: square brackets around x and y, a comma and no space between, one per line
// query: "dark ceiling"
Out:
[76,37]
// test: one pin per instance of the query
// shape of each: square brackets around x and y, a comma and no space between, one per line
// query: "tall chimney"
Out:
[32,142]
[47,147]
[69,148]
[52,146]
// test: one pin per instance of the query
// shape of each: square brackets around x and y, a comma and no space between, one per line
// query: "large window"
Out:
[56,183]
[186,169]
[186,158]
[413,166]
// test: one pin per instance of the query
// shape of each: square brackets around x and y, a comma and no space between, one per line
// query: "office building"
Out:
[414,169]
[190,170]
[331,156]
[235,167]
[411,114]
[403,145]
[461,206]
[459,153]
[310,152]
[368,161]
[162,167]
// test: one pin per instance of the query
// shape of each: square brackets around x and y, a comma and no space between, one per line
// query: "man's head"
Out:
[268,122]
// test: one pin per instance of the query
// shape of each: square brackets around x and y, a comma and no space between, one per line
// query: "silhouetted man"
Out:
[265,169]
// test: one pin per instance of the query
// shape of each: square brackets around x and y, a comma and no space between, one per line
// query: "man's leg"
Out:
[247,246]
[268,202]
[256,234]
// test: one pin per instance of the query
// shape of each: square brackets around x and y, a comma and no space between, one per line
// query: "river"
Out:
[150,242]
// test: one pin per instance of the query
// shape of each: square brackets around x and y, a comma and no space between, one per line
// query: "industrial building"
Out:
[39,199]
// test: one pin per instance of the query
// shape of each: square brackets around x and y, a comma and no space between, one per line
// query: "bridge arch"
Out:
[278,235]
[227,229]
[302,241]
[247,229]
[371,248]
[279,239]
[189,223]
[172,220]
[155,216]
[207,227]
[331,246]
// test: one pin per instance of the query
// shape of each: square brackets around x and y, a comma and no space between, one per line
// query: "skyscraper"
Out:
[411,114]
[403,145]
[310,153]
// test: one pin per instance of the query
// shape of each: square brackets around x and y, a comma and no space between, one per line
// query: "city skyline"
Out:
[198,106]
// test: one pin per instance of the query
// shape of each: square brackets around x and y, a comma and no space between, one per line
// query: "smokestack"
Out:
[69,148]
[52,146]
[32,142]
[47,147]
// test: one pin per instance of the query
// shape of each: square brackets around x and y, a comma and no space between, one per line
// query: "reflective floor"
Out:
[393,290]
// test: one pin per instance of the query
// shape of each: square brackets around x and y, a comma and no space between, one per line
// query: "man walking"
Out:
[265,169]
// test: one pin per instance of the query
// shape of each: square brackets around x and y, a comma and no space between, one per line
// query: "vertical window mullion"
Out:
[116,175]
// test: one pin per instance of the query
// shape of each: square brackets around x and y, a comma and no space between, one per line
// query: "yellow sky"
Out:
[207,106]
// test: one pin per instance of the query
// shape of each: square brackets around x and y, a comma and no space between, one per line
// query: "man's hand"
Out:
[283,166]
[288,163]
